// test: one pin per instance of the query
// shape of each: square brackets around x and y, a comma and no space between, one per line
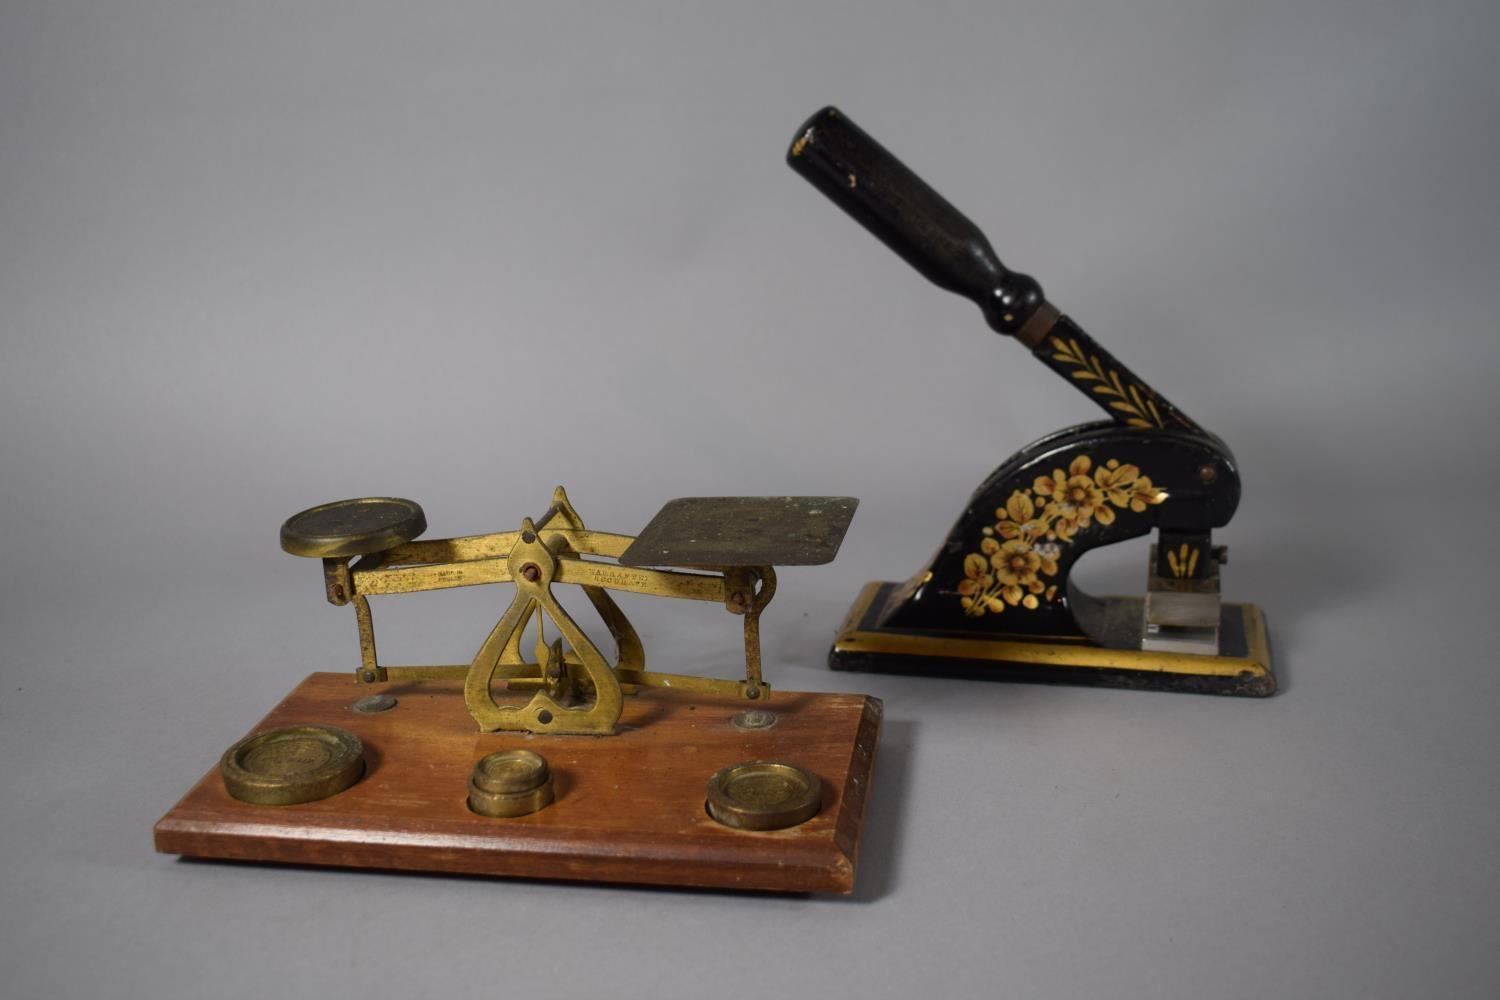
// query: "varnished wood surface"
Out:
[629,807]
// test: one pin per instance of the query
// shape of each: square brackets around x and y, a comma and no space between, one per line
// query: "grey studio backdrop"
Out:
[257,256]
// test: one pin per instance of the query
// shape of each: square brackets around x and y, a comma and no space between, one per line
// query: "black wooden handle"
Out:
[861,176]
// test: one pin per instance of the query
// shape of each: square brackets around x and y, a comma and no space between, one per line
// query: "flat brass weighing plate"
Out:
[714,532]
[352,527]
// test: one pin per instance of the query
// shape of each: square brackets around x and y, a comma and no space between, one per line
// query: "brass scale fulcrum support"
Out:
[576,690]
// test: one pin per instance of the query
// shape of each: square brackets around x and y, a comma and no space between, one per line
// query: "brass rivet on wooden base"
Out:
[510,783]
[282,767]
[755,718]
[764,795]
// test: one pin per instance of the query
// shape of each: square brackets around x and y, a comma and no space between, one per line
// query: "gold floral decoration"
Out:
[1018,556]
[1139,408]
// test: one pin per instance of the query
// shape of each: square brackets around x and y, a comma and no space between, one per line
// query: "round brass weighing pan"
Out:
[282,767]
[352,527]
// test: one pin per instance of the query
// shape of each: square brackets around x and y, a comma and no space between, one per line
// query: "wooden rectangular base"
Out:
[629,807]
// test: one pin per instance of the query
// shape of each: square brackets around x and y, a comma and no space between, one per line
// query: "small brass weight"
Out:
[719,549]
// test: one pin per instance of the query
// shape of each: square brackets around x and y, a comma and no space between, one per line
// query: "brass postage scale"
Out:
[547,758]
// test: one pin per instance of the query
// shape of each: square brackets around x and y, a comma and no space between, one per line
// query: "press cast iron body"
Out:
[1004,569]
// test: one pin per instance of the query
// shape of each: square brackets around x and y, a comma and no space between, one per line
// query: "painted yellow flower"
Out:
[1025,543]
[976,572]
[1116,480]
[1076,499]
[1091,504]
[1018,518]
[1051,486]
[1143,493]
[976,587]
[1016,565]
[1030,531]
[1020,508]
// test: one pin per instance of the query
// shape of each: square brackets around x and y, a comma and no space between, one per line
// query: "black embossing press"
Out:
[997,599]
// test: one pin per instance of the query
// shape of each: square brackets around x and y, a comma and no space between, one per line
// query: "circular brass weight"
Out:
[352,527]
[281,767]
[510,783]
[764,795]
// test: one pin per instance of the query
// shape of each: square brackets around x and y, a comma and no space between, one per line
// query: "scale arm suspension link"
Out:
[744,597]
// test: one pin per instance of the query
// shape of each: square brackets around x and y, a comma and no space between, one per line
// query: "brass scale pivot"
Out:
[722,550]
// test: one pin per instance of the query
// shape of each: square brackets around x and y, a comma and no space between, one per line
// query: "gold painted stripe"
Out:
[1093,657]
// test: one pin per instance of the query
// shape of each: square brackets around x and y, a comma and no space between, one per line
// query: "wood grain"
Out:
[629,807]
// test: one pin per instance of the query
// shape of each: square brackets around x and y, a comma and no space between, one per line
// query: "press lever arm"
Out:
[862,177]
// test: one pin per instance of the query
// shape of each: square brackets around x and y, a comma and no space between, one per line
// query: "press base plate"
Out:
[1245,671]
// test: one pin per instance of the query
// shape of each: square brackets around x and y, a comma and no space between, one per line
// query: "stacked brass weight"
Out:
[510,783]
